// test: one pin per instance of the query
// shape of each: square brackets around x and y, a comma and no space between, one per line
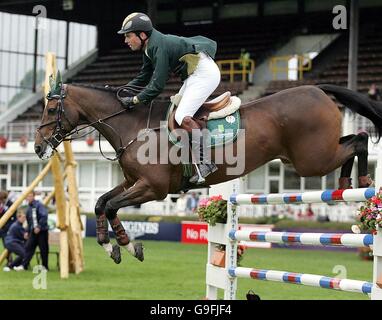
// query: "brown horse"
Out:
[301,126]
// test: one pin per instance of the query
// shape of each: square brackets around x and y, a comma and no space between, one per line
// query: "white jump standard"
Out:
[229,235]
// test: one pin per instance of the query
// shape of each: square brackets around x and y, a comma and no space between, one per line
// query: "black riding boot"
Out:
[203,161]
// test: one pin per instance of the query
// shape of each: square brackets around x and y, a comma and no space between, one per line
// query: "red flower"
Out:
[3,142]
[90,141]
[216,198]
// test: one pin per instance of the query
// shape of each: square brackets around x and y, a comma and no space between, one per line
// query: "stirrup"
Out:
[205,170]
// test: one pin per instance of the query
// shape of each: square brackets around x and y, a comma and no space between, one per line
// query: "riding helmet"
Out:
[136,21]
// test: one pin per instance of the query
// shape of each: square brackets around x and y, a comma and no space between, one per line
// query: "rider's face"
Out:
[133,41]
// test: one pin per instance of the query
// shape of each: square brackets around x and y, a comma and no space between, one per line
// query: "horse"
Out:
[301,126]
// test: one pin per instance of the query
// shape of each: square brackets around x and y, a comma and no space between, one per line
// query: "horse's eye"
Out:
[52,111]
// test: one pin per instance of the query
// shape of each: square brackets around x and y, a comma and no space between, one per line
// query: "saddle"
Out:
[217,108]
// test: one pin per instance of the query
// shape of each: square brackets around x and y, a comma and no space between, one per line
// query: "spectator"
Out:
[374,93]
[309,212]
[5,203]
[192,203]
[15,241]
[245,56]
[37,217]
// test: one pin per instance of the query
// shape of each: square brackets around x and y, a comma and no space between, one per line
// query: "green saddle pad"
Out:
[222,131]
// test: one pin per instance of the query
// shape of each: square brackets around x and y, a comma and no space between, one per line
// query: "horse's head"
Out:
[57,122]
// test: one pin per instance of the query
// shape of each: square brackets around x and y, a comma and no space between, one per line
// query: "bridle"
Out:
[60,134]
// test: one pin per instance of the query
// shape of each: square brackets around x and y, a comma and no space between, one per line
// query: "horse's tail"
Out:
[358,103]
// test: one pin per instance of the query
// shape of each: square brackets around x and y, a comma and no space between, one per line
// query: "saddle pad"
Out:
[223,131]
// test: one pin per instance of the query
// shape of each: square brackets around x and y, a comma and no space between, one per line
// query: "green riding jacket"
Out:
[165,54]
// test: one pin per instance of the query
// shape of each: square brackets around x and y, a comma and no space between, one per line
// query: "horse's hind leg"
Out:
[344,181]
[360,145]
[364,179]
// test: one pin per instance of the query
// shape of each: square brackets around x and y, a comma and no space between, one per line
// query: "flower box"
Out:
[218,258]
[379,281]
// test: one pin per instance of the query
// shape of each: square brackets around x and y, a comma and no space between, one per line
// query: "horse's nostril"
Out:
[37,149]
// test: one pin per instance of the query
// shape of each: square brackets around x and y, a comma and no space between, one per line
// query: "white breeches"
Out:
[198,87]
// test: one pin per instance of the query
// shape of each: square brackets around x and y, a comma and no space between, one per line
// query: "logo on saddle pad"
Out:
[230,119]
[222,124]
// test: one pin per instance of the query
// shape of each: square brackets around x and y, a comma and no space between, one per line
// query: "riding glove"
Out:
[129,102]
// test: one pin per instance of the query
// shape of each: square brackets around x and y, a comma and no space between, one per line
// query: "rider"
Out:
[190,58]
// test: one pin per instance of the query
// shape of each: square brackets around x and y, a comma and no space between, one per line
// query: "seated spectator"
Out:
[5,203]
[15,241]
[37,217]
[374,93]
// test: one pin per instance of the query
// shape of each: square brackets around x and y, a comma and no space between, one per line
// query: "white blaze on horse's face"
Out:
[48,153]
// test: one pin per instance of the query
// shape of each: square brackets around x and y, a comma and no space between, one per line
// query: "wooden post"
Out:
[63,222]
[3,256]
[68,218]
[62,217]
[75,239]
[59,192]
[50,196]
[28,190]
[50,69]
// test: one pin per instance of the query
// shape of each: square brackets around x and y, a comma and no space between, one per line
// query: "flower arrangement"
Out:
[213,210]
[219,255]
[370,215]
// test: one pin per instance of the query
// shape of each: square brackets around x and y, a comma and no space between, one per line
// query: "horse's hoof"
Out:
[116,254]
[365,181]
[138,247]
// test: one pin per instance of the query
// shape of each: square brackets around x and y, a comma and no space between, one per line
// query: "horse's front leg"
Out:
[139,193]
[102,225]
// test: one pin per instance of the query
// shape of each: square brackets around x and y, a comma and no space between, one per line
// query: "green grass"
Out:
[175,271]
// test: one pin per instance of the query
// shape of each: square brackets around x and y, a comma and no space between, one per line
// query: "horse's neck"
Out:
[125,125]
[98,106]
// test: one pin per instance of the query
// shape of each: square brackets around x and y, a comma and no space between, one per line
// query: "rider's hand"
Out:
[129,102]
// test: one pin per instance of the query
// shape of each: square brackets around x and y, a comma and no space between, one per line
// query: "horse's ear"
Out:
[58,79]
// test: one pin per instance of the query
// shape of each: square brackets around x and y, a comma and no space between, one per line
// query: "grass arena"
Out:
[181,150]
[170,262]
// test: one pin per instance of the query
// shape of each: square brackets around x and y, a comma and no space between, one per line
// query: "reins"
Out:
[58,136]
